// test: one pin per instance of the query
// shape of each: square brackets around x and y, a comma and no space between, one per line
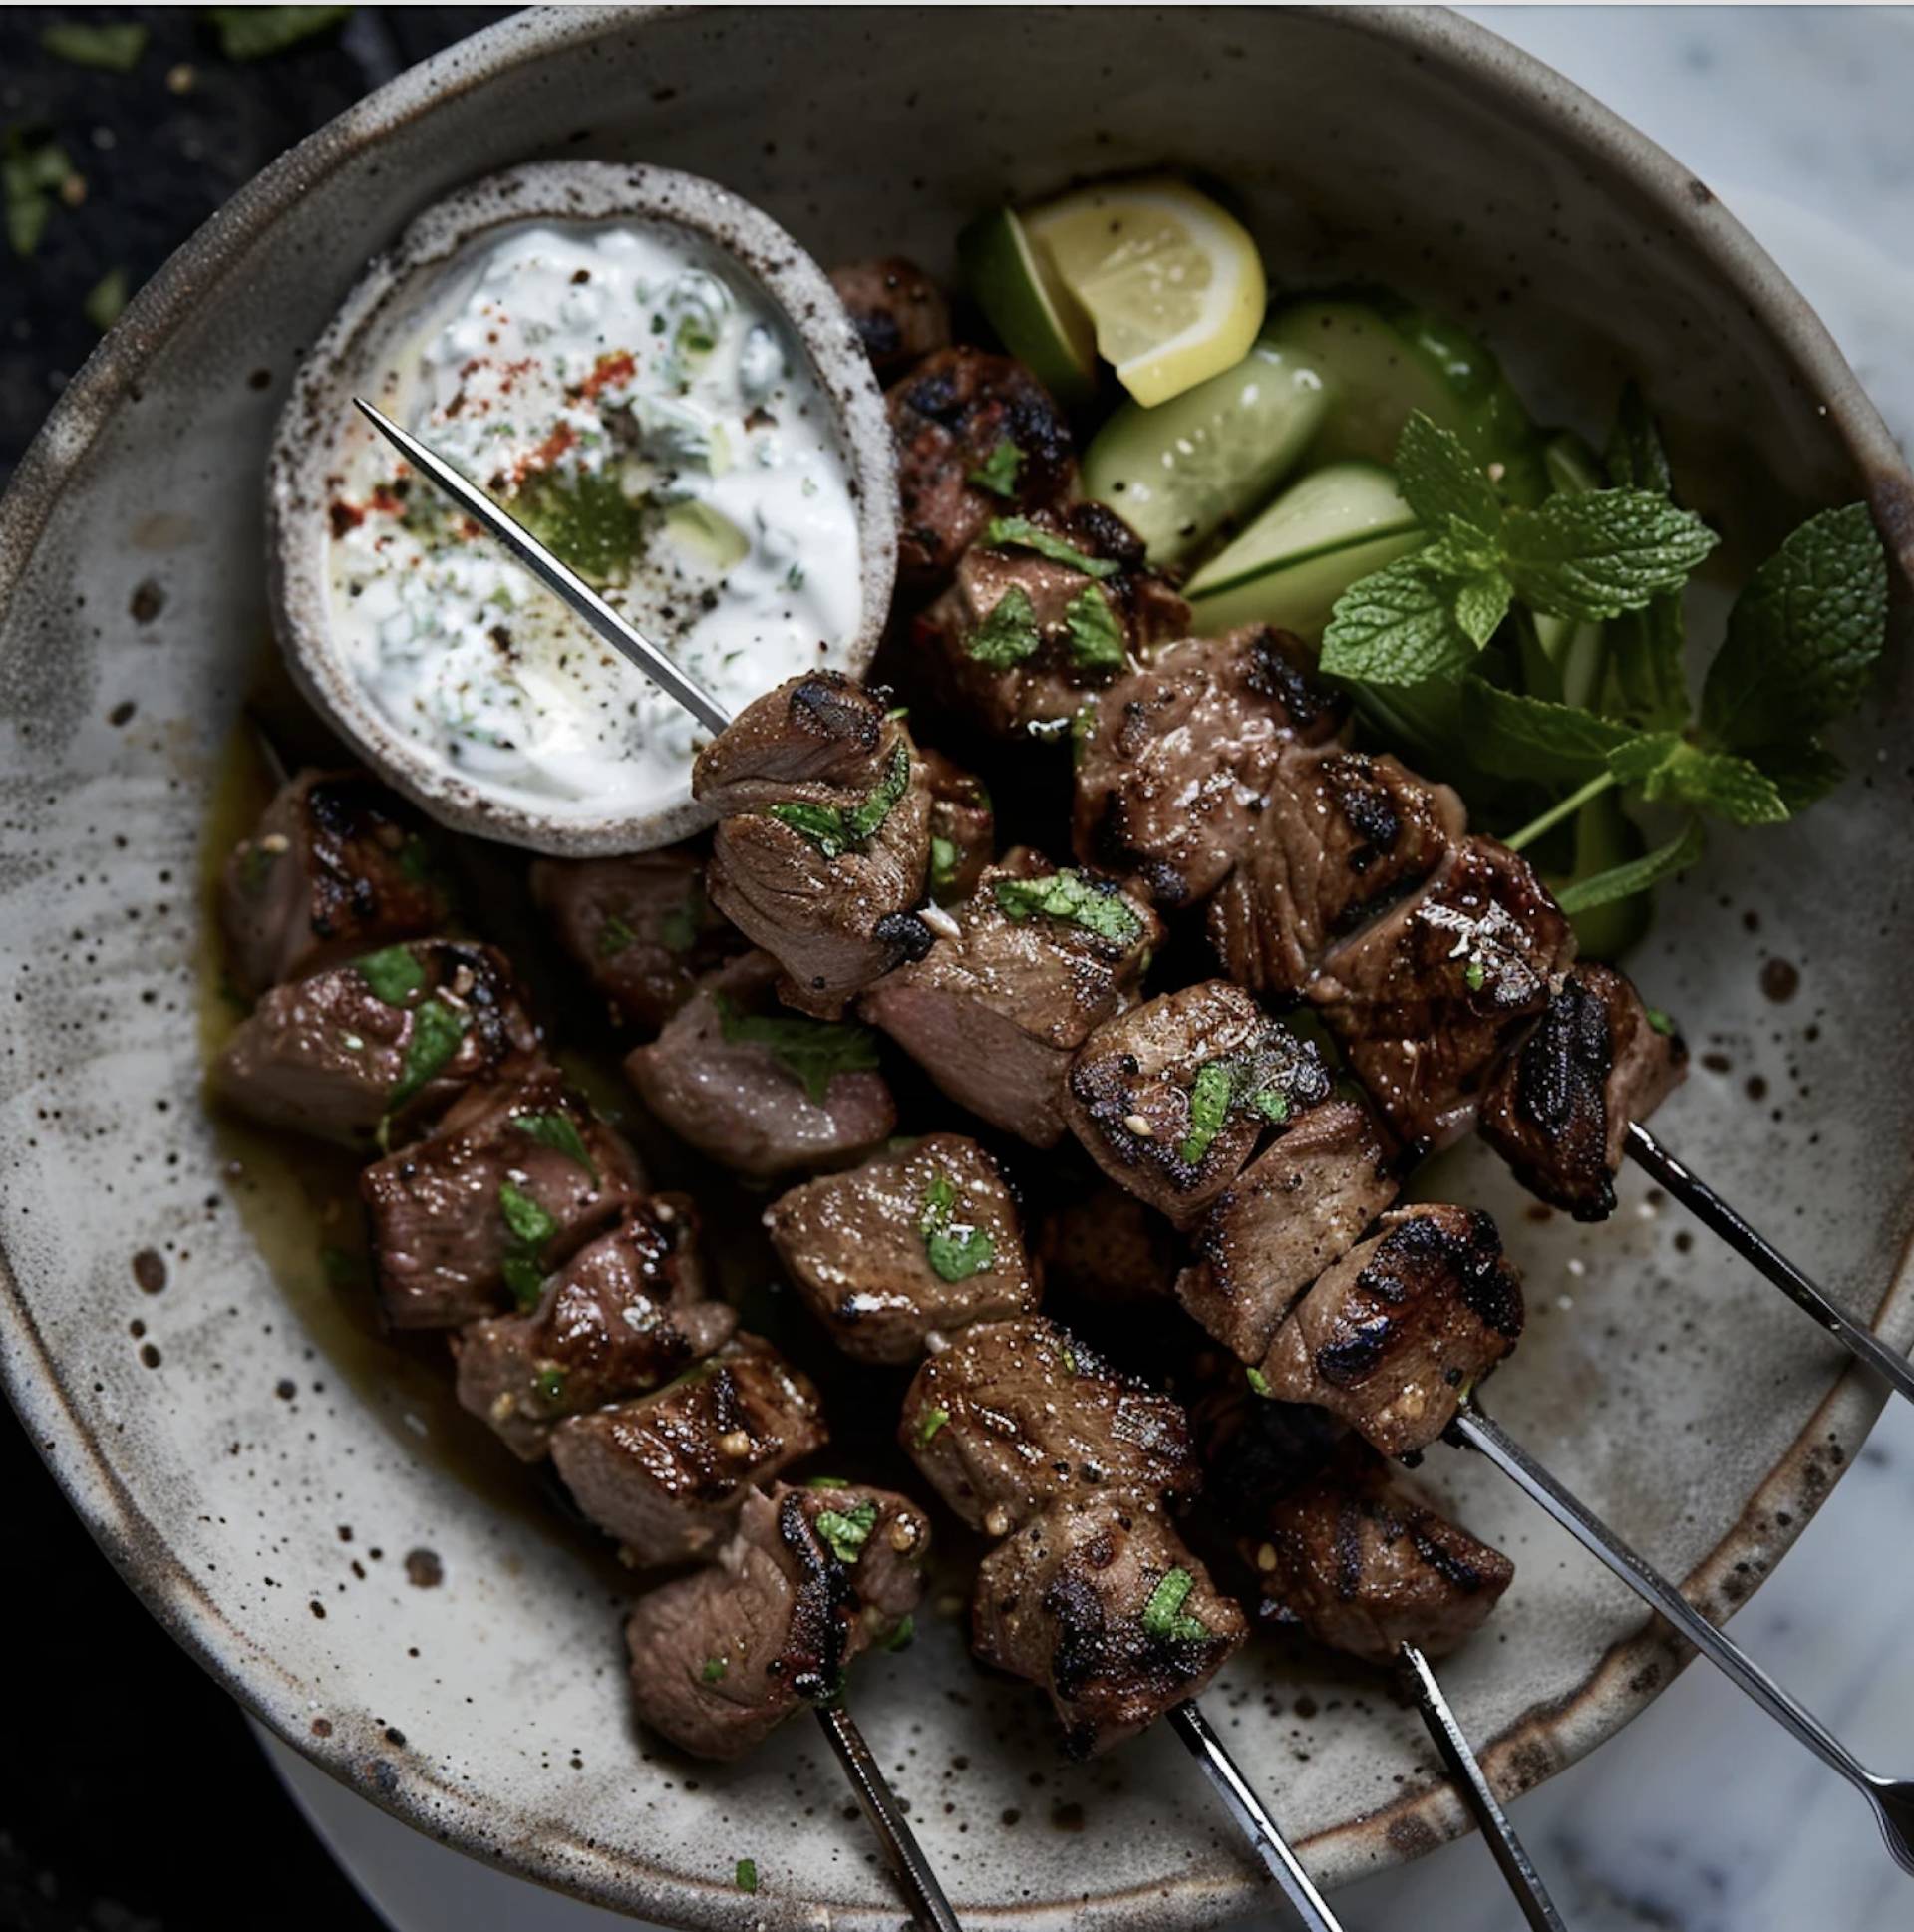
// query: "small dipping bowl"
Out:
[473,719]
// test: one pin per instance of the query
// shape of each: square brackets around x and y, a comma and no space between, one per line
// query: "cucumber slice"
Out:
[1576,652]
[1288,569]
[1384,358]
[1606,837]
[1181,470]
[1035,318]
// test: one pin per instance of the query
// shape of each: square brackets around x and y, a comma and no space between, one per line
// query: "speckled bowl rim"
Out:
[1543,1739]
[302,468]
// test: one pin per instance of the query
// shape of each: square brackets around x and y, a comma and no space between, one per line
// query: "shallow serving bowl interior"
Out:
[371,348]
[286,1499]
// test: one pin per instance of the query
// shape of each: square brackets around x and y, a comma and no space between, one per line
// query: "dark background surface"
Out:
[131,1794]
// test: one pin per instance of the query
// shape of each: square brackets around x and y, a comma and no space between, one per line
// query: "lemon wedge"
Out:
[1172,284]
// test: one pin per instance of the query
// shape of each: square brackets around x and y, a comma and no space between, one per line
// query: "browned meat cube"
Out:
[1254,1447]
[666,1472]
[762,1091]
[924,1240]
[338,865]
[1015,1415]
[378,1047]
[1170,1098]
[978,436]
[1424,1002]
[1097,1600]
[624,1314]
[963,827]
[1176,766]
[1300,1205]
[1343,835]
[807,1580]
[1363,1561]
[1399,1331]
[899,313]
[1102,1244]
[1559,1107]
[996,1008]
[1044,611]
[824,842]
[641,928]
[517,1177]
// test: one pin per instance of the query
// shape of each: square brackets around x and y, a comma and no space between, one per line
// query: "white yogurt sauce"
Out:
[629,392]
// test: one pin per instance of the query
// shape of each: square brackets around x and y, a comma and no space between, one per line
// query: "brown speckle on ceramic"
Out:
[319,428]
[1691,1406]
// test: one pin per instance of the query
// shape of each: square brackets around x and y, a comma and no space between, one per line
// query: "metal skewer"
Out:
[1506,1850]
[1719,1219]
[1892,1798]
[1256,1823]
[878,1803]
[560,579]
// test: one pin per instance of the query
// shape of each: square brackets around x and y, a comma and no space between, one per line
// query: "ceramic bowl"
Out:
[360,354]
[292,1501]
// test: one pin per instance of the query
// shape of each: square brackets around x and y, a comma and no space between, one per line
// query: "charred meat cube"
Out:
[338,865]
[1397,1333]
[641,928]
[995,1010]
[899,313]
[1254,1447]
[762,1091]
[923,1240]
[1424,1002]
[977,436]
[1170,1098]
[1343,835]
[1558,1107]
[1045,610]
[623,1315]
[1097,1600]
[1013,1416]
[1300,1205]
[825,841]
[807,1580]
[665,1472]
[1360,1559]
[1102,1244]
[383,1044]
[1177,762]
[518,1176]
[963,827]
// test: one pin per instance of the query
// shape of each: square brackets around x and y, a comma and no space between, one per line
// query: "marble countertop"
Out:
[1702,1817]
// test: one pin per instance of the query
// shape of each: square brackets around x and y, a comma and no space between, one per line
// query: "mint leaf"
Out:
[559,1131]
[114,45]
[955,1252]
[1635,876]
[1162,1614]
[32,172]
[933,1421]
[1665,766]
[1210,1095]
[1441,480]
[106,300]
[1480,605]
[252,33]
[835,831]
[528,1228]
[391,974]
[998,471]
[1602,552]
[615,937]
[1633,457]
[1803,636]
[1008,634]
[1095,905]
[1802,773]
[1532,738]
[1095,636]
[847,1530]
[1396,626]
[813,1052]
[944,862]
[678,931]
[436,1030]
[1020,533]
